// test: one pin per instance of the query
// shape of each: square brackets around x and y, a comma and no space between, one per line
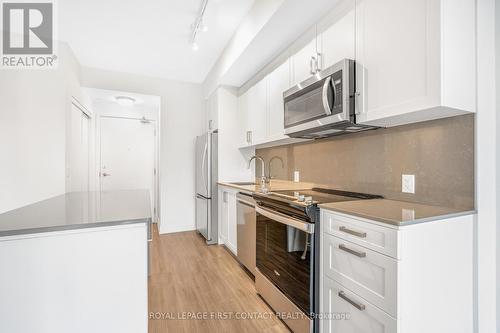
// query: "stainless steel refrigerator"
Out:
[206,186]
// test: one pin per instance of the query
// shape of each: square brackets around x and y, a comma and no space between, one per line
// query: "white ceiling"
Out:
[149,37]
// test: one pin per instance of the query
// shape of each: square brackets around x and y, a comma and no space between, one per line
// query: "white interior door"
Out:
[78,162]
[127,155]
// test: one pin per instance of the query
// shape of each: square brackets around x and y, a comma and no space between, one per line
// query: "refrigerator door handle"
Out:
[205,151]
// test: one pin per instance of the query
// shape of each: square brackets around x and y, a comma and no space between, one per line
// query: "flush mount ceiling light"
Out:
[125,100]
[198,25]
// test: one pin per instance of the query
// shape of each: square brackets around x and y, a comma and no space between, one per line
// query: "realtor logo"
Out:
[28,35]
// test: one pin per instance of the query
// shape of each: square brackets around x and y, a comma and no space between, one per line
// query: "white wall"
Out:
[180,122]
[497,66]
[33,109]
[487,169]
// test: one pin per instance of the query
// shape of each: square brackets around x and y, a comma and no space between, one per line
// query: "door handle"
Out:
[205,183]
[352,232]
[104,174]
[312,61]
[326,104]
[357,305]
[348,250]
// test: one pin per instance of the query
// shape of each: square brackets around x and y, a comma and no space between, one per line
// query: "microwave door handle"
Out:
[326,104]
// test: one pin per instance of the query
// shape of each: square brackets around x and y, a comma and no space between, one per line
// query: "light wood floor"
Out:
[188,277]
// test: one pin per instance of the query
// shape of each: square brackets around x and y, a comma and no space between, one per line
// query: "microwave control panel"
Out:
[336,92]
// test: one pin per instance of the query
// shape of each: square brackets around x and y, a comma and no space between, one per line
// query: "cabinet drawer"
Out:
[372,236]
[369,274]
[363,316]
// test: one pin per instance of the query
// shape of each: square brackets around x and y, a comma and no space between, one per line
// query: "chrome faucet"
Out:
[263,178]
[269,177]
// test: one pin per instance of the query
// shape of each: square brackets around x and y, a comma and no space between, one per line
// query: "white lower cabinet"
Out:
[227,218]
[354,314]
[379,278]
[370,274]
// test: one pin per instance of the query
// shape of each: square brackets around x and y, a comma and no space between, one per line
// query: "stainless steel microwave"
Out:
[323,105]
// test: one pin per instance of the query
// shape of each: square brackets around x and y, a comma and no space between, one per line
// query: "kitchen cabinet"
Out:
[330,41]
[337,39]
[245,134]
[212,110]
[279,81]
[388,282]
[227,218]
[223,217]
[305,59]
[257,111]
[231,222]
[415,60]
[261,110]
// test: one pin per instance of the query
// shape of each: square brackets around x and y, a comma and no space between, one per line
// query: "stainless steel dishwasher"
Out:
[246,230]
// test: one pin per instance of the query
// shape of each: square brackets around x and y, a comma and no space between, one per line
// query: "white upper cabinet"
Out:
[415,60]
[243,120]
[279,81]
[257,111]
[212,110]
[304,59]
[337,41]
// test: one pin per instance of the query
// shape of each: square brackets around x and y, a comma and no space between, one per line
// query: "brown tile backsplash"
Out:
[440,153]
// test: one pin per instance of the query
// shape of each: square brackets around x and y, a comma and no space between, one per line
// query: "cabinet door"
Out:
[213,112]
[302,61]
[232,221]
[279,81]
[257,112]
[397,56]
[223,216]
[364,317]
[243,120]
[338,40]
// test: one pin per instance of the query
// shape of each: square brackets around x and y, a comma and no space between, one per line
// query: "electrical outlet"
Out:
[296,176]
[408,184]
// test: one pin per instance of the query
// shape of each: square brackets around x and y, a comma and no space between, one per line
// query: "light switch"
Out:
[408,184]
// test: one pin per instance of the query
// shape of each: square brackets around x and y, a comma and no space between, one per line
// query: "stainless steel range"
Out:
[287,251]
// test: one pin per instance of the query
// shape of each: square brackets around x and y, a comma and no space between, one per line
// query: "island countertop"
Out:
[77,210]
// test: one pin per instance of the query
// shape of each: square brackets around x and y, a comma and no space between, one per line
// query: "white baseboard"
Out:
[168,229]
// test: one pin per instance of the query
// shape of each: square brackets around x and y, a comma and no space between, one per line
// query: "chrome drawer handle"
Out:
[348,250]
[357,305]
[352,232]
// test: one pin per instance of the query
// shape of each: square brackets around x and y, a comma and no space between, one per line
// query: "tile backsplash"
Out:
[440,153]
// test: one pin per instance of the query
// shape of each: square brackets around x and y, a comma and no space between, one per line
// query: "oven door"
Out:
[285,255]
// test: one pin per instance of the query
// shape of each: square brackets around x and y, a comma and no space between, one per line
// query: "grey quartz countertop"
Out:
[77,210]
[398,213]
[275,185]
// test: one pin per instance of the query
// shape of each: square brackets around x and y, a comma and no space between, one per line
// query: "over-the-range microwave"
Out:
[323,105]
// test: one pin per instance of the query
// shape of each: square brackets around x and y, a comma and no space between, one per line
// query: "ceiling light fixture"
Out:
[125,100]
[198,25]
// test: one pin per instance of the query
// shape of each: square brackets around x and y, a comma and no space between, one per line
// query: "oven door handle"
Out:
[285,219]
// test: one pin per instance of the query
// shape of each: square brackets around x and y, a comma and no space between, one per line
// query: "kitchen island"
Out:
[77,262]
